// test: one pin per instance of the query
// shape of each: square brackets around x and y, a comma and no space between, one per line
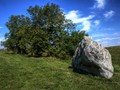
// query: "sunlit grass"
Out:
[18,72]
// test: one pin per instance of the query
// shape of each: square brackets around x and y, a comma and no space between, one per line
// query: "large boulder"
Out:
[91,57]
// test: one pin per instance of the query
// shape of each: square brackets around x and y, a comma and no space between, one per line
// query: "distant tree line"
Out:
[44,32]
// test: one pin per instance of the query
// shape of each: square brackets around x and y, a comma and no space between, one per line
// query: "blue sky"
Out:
[99,18]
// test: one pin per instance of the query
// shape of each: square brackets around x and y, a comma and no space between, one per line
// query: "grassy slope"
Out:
[22,73]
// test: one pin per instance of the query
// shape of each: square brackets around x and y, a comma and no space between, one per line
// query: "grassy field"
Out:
[27,73]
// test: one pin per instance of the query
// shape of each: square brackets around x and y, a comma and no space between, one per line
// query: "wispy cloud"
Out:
[77,18]
[86,25]
[116,34]
[97,35]
[109,14]
[109,41]
[100,4]
[108,38]
[104,35]
[1,27]
[1,39]
[96,22]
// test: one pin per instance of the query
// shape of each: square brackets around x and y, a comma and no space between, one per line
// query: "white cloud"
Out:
[99,4]
[77,18]
[97,22]
[109,14]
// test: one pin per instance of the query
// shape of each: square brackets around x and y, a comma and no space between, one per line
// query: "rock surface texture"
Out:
[91,57]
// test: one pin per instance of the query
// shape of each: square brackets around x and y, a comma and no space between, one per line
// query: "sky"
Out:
[99,18]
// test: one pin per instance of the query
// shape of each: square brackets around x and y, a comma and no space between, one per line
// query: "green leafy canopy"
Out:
[45,32]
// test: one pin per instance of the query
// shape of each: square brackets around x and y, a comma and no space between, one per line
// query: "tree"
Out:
[45,32]
[17,26]
[50,19]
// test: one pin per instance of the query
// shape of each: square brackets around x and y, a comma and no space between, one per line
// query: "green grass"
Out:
[27,73]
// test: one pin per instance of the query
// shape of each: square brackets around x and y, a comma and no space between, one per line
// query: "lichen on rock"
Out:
[91,57]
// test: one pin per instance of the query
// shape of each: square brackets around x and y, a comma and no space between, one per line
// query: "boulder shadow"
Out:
[80,71]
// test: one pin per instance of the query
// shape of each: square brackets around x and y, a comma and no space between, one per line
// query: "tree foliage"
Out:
[46,32]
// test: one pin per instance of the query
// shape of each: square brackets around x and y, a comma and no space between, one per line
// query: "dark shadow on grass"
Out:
[81,71]
[70,67]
